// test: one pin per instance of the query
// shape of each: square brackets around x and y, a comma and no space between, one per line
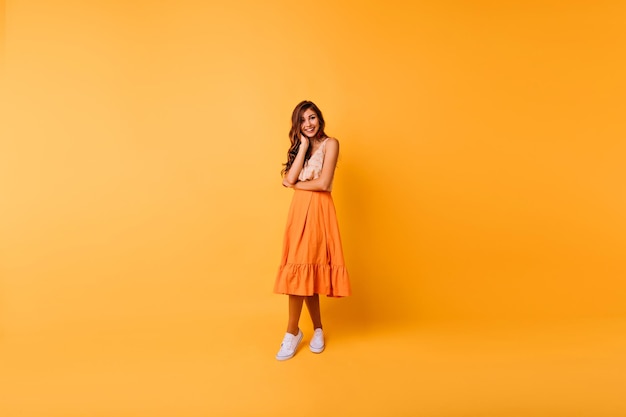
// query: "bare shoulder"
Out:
[332,148]
[332,141]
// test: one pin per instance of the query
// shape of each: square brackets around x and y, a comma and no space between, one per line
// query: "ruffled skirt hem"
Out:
[311,279]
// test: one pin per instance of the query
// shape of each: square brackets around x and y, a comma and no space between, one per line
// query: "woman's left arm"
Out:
[325,180]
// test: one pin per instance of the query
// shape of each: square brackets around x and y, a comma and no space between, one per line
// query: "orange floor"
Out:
[226,367]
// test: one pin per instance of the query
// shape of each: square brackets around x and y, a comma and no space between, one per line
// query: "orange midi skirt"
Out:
[312,260]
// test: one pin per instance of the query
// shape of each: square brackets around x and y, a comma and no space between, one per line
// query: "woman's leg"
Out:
[313,305]
[295,308]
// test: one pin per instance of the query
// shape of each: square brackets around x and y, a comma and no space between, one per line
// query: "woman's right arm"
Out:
[291,176]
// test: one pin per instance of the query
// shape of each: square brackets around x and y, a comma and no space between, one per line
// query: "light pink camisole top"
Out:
[313,167]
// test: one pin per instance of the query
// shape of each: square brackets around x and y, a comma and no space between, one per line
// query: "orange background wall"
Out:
[481,174]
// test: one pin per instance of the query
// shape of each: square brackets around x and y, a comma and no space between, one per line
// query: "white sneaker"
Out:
[317,342]
[289,346]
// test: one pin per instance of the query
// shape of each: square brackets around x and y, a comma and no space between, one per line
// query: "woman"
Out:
[312,261]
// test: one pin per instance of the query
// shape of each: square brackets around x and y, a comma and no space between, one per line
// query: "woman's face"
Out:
[309,123]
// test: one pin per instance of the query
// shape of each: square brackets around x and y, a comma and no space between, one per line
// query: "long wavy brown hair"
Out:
[296,129]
